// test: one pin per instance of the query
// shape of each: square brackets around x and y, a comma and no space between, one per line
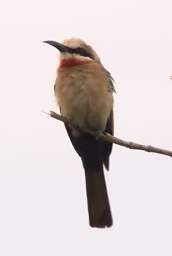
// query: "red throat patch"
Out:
[70,62]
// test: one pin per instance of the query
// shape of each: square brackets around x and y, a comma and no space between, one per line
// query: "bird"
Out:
[84,93]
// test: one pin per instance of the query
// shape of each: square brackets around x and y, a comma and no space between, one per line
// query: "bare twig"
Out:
[109,138]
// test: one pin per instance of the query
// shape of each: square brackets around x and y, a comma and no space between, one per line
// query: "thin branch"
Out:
[109,138]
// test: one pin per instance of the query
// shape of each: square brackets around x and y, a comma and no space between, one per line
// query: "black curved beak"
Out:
[61,47]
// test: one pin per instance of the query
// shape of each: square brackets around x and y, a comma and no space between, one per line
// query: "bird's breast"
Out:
[83,96]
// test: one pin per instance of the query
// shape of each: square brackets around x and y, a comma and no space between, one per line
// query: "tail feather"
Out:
[94,154]
[97,198]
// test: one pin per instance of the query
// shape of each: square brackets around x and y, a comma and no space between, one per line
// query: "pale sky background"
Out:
[43,209]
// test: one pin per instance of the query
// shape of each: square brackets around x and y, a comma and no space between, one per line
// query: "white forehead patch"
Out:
[74,42]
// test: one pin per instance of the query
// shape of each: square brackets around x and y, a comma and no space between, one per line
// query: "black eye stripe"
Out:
[81,52]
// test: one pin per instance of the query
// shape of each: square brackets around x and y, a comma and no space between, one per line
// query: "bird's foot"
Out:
[99,134]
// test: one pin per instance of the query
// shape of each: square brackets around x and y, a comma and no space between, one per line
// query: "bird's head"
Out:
[74,51]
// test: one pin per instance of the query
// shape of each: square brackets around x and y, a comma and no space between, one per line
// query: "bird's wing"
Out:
[107,147]
[111,80]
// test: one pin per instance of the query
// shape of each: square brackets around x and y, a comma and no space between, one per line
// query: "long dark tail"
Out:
[97,198]
[94,153]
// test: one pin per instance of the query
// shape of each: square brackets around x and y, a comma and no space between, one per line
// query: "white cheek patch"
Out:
[67,55]
[80,57]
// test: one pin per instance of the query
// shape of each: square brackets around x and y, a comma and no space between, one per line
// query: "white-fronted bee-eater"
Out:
[84,93]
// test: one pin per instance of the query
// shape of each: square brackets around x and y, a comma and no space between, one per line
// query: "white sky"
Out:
[43,207]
